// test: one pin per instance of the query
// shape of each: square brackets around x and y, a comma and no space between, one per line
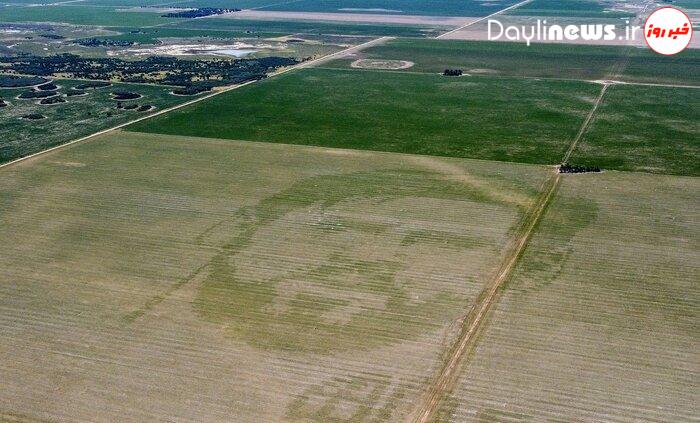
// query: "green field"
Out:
[517,59]
[407,7]
[650,129]
[568,8]
[308,27]
[81,15]
[688,4]
[235,281]
[487,118]
[77,117]
[599,321]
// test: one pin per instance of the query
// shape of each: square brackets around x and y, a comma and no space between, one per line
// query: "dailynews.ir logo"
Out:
[668,31]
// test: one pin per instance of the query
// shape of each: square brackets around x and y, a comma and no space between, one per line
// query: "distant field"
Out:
[78,116]
[580,62]
[599,322]
[239,4]
[81,15]
[564,8]
[150,277]
[688,4]
[307,27]
[408,7]
[486,118]
[651,129]
[152,35]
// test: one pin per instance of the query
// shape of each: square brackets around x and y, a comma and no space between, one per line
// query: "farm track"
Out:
[515,6]
[220,91]
[586,123]
[447,376]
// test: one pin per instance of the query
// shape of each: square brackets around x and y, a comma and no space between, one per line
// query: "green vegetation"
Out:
[649,129]
[193,258]
[81,15]
[488,118]
[308,27]
[80,115]
[12,81]
[687,4]
[502,58]
[602,308]
[568,8]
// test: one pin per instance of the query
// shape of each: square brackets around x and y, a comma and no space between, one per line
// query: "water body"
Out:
[235,52]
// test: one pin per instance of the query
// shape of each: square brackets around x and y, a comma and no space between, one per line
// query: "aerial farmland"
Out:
[345,211]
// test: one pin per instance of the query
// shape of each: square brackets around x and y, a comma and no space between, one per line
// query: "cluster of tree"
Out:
[453,72]
[125,95]
[92,84]
[52,36]
[103,42]
[567,168]
[37,94]
[33,116]
[74,93]
[133,106]
[191,90]
[49,86]
[52,100]
[200,74]
[199,13]
[14,81]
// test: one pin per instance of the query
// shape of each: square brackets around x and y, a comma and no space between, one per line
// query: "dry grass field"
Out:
[149,277]
[599,321]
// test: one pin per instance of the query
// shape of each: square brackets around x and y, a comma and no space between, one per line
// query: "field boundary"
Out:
[482,19]
[219,91]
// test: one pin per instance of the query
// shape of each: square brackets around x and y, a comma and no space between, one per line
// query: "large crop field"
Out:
[390,227]
[517,59]
[81,15]
[506,119]
[599,321]
[650,129]
[309,27]
[150,277]
[78,116]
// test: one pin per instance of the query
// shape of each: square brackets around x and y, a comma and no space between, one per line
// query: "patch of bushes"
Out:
[125,95]
[33,116]
[92,84]
[567,168]
[14,81]
[52,100]
[453,72]
[199,13]
[102,42]
[49,86]
[37,94]
[74,93]
[202,74]
[191,90]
